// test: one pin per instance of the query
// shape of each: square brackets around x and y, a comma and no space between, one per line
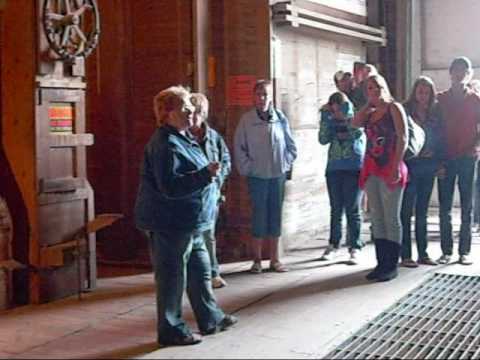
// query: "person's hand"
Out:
[326,107]
[339,116]
[213,168]
[441,172]
[369,108]
[427,153]
[394,176]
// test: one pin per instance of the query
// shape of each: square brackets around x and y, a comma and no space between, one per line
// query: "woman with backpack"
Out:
[422,107]
[384,173]
[345,158]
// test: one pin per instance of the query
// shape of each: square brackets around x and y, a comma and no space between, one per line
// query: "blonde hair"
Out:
[200,102]
[372,70]
[168,100]
[380,81]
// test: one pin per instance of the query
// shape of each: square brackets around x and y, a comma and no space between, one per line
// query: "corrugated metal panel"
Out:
[438,320]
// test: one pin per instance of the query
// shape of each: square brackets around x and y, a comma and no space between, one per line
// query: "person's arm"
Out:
[165,164]
[326,131]
[401,131]
[441,146]
[361,117]
[348,113]
[242,156]
[225,160]
[291,147]
[476,145]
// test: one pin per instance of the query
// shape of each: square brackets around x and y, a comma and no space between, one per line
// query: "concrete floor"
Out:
[301,314]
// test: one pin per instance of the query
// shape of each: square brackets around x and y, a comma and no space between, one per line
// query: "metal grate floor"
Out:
[440,319]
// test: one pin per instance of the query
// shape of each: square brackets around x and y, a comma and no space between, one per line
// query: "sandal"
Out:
[409,263]
[256,267]
[278,267]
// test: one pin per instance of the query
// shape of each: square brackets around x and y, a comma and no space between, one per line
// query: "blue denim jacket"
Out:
[264,149]
[176,191]
[216,150]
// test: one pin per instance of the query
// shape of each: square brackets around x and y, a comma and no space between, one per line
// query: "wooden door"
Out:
[146,46]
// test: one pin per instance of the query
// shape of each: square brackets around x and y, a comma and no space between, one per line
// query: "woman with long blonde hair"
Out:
[384,173]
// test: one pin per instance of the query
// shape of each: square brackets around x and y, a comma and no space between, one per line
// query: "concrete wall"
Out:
[449,29]
[442,30]
[305,63]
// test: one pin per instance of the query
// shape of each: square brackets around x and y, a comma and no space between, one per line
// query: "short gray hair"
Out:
[167,100]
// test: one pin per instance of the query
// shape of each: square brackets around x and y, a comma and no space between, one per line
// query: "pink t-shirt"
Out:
[381,143]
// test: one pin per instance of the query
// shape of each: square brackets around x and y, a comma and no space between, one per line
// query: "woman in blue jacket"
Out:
[176,202]
[216,150]
[345,158]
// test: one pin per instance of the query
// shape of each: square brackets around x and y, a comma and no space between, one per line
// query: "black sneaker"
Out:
[227,322]
[181,340]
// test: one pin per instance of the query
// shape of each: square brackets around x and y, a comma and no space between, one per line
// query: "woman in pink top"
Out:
[384,173]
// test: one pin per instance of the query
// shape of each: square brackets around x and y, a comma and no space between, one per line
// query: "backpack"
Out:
[416,139]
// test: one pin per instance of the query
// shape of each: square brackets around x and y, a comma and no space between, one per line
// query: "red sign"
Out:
[240,90]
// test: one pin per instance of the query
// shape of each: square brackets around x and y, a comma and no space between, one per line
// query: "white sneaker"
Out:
[465,260]
[353,257]
[444,259]
[330,253]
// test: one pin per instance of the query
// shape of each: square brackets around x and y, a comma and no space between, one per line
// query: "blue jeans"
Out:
[181,261]
[476,197]
[385,204]
[267,200]
[417,195]
[463,169]
[211,244]
[345,195]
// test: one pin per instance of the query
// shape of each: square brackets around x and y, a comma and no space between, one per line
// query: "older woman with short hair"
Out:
[216,150]
[176,201]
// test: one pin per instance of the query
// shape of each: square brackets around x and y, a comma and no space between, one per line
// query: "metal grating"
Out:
[440,319]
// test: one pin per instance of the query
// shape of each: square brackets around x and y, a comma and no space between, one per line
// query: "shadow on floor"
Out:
[128,352]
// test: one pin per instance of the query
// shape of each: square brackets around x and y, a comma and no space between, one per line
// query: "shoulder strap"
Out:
[281,117]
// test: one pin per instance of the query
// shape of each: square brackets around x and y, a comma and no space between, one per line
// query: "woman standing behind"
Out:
[421,106]
[384,173]
[216,150]
[264,153]
[345,158]
[176,202]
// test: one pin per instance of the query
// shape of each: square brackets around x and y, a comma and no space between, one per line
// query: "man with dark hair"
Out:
[460,110]
[343,81]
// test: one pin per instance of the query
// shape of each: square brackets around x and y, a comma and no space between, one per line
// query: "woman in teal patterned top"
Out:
[345,159]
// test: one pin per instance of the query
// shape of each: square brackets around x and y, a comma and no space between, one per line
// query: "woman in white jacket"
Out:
[264,153]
